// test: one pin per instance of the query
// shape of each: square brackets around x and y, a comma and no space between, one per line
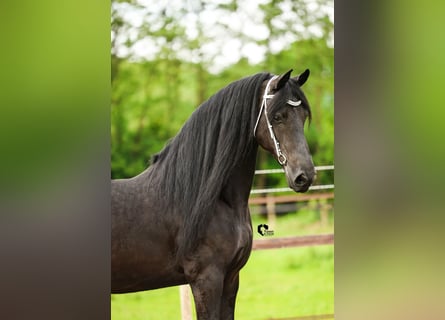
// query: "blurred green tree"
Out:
[165,61]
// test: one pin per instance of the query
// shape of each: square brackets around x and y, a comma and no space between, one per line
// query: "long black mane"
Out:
[198,161]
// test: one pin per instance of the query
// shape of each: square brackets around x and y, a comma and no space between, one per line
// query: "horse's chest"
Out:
[229,236]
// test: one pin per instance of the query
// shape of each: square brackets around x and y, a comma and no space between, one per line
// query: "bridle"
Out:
[282,160]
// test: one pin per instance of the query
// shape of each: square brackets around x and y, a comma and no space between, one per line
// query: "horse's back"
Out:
[129,194]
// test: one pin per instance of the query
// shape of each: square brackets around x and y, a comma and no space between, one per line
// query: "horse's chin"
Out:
[301,189]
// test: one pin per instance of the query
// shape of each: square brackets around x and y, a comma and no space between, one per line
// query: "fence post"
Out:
[271,213]
[186,303]
[324,212]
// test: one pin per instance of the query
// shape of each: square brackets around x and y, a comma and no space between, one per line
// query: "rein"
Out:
[282,160]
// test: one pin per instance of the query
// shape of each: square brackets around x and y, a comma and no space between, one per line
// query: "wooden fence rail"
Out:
[299,241]
[292,198]
[316,317]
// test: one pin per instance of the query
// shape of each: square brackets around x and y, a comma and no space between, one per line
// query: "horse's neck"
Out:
[237,189]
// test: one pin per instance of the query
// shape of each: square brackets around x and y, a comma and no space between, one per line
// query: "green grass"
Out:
[154,304]
[274,283]
[287,282]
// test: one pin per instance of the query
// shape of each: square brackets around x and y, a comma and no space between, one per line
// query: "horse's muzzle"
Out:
[301,180]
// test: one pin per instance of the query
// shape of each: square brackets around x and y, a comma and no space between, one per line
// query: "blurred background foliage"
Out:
[169,57]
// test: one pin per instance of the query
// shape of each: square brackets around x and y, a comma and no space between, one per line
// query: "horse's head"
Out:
[280,127]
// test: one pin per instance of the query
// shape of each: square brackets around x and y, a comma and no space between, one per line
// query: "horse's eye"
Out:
[277,118]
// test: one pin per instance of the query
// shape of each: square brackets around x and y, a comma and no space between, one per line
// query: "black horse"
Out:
[185,219]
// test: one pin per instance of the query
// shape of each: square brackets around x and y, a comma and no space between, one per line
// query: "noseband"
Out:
[282,160]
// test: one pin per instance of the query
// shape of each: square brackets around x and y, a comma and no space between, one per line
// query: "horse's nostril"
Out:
[301,179]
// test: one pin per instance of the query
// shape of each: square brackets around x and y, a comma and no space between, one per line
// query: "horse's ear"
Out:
[281,81]
[301,78]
